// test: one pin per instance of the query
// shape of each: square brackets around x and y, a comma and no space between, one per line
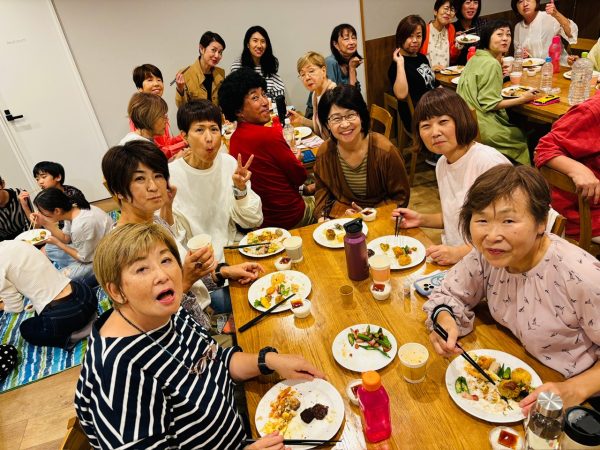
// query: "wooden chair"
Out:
[564,182]
[558,227]
[378,114]
[75,439]
[404,138]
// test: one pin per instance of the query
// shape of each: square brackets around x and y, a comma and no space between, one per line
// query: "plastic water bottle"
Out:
[581,76]
[554,52]
[355,247]
[288,134]
[518,62]
[374,405]
[547,70]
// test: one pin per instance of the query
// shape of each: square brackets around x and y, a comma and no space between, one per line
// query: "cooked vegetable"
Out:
[460,385]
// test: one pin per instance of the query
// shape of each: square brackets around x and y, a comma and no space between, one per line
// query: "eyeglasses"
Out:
[448,9]
[208,355]
[336,120]
[308,73]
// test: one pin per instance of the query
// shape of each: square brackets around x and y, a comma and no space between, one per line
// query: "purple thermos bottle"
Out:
[355,246]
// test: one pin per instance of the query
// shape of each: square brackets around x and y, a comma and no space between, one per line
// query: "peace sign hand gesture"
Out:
[242,174]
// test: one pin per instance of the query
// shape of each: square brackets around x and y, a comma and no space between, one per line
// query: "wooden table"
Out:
[423,415]
[548,113]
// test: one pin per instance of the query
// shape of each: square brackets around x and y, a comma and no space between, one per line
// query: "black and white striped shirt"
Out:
[133,395]
[275,84]
[12,217]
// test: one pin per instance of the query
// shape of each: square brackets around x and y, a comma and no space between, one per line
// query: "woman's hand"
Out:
[243,273]
[242,174]
[180,81]
[24,198]
[567,390]
[437,68]
[586,182]
[296,118]
[551,9]
[397,57]
[196,265]
[445,255]
[293,367]
[571,59]
[410,218]
[445,348]
[273,441]
[354,62]
[171,194]
[54,241]
[39,219]
[531,95]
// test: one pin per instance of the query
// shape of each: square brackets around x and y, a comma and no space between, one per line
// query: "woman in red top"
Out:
[439,43]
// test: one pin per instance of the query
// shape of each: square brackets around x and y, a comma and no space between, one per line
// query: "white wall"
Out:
[382,16]
[109,38]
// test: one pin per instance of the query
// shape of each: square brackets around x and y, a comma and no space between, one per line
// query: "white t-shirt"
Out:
[86,230]
[25,271]
[537,36]
[132,136]
[205,202]
[454,180]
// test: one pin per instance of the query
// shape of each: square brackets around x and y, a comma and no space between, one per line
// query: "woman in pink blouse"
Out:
[538,285]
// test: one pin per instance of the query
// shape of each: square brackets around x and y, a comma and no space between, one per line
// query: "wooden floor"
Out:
[35,416]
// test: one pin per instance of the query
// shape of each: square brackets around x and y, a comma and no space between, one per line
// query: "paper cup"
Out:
[346,293]
[293,247]
[199,241]
[414,358]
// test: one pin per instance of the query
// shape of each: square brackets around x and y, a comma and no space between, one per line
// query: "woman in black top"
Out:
[13,220]
[467,13]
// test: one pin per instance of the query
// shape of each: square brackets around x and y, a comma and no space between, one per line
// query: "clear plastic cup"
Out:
[293,248]
[413,358]
[380,268]
[515,78]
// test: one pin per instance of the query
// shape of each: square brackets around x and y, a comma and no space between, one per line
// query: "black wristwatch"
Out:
[218,275]
[262,365]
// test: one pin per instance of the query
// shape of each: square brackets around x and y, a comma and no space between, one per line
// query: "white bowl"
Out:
[350,393]
[301,311]
[381,295]
[279,265]
[530,72]
[370,216]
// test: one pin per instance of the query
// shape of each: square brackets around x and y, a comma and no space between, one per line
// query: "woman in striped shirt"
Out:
[13,220]
[152,377]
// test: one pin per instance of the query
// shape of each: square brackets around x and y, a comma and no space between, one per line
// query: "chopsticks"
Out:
[263,314]
[399,220]
[182,72]
[300,441]
[444,335]
[233,247]
[32,223]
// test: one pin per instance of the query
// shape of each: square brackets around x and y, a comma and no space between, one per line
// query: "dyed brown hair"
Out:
[407,26]
[145,109]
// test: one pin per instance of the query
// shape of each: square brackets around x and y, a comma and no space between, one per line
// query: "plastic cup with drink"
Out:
[413,357]
[293,247]
[515,78]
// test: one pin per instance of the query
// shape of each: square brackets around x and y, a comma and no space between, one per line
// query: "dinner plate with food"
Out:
[478,397]
[404,251]
[452,70]
[36,236]
[467,39]
[301,409]
[569,74]
[364,347]
[274,287]
[331,233]
[515,91]
[301,132]
[532,62]
[272,238]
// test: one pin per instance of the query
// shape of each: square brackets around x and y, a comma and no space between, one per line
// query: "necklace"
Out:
[208,354]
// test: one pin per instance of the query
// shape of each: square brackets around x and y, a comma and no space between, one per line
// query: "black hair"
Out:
[345,96]
[209,37]
[489,29]
[513,5]
[198,111]
[458,4]
[269,64]
[235,87]
[439,3]
[51,168]
[335,35]
[52,198]
[140,73]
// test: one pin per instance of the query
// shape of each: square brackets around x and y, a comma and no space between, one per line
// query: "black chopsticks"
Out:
[300,441]
[263,314]
[444,335]
[182,72]
[232,247]
[399,219]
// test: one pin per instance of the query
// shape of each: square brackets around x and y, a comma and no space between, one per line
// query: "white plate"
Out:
[34,233]
[302,132]
[452,70]
[532,62]
[309,393]
[260,286]
[467,39]
[247,252]
[455,80]
[359,359]
[507,91]
[568,74]
[319,233]
[457,369]
[417,256]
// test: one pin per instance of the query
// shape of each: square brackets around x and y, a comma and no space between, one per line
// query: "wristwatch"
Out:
[262,365]
[218,275]
[239,193]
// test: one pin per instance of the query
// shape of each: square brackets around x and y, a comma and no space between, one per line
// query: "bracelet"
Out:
[220,279]
[239,193]
[438,309]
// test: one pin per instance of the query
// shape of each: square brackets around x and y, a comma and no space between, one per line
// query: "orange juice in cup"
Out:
[380,268]
[515,78]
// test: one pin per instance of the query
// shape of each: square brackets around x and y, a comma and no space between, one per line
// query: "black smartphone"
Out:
[281,108]
[308,156]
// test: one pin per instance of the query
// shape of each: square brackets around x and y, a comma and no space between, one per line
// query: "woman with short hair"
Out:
[355,165]
[439,43]
[148,113]
[539,286]
[344,58]
[152,376]
[467,15]
[258,55]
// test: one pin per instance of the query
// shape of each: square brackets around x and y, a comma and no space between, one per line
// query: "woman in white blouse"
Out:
[535,31]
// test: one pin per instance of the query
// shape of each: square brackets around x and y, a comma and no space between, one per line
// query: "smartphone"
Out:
[425,286]
[308,156]
[547,100]
[281,108]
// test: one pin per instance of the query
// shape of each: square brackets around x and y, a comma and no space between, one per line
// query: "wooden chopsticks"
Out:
[263,314]
[316,442]
[233,247]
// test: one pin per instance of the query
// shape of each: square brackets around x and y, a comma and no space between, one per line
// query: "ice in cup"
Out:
[199,241]
[293,247]
[515,78]
[413,358]
[380,268]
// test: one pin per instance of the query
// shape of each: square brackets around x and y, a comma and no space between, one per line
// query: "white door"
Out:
[39,80]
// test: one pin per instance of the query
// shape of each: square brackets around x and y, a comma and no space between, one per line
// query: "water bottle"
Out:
[546,83]
[288,134]
[518,62]
[355,247]
[581,76]
[544,422]
[554,52]
[375,407]
[471,52]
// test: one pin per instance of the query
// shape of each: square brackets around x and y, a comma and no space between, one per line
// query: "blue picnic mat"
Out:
[37,362]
